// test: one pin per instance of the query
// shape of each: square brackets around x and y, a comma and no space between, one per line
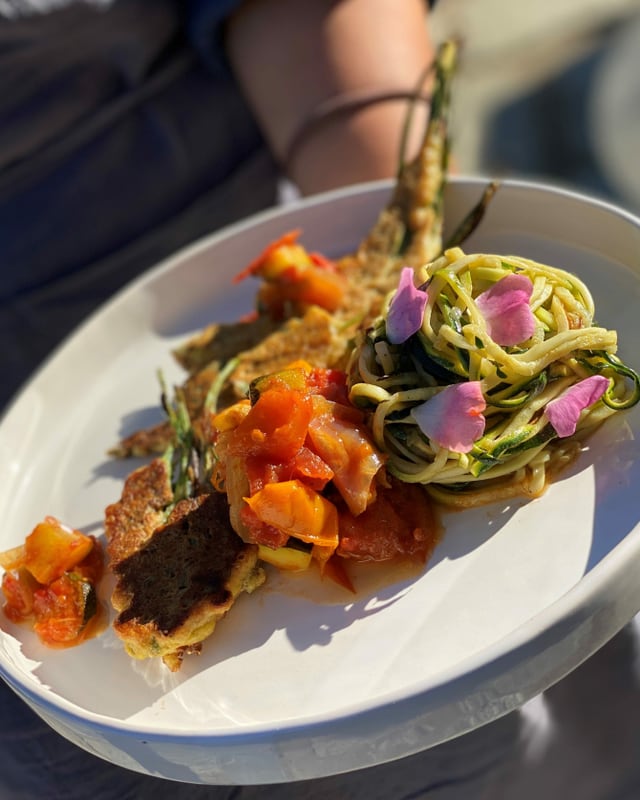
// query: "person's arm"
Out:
[294,59]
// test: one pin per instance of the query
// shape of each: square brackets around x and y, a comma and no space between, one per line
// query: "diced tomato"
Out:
[60,611]
[61,606]
[309,467]
[400,522]
[257,531]
[305,465]
[275,427]
[331,384]
[259,472]
[18,588]
[347,448]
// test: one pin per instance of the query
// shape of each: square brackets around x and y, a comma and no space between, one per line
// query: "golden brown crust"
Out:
[220,342]
[130,522]
[175,577]
[311,338]
[145,442]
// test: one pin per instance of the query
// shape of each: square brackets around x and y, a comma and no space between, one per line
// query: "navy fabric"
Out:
[120,141]
[205,20]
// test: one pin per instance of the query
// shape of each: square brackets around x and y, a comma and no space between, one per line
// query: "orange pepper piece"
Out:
[297,510]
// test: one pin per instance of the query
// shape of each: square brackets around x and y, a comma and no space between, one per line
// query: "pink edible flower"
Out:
[563,412]
[406,309]
[505,307]
[453,418]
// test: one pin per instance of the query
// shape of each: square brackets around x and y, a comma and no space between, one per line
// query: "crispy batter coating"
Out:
[177,576]
[312,338]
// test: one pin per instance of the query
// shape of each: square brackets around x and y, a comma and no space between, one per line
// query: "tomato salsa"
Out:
[50,583]
[305,481]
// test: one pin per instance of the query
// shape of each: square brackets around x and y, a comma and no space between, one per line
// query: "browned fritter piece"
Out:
[176,577]
[144,442]
[130,522]
[313,338]
[220,342]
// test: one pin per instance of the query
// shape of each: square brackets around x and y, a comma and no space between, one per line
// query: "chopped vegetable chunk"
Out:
[50,582]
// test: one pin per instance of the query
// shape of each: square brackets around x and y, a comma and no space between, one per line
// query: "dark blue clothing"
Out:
[123,136]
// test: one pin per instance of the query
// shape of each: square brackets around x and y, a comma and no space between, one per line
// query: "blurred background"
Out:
[548,90]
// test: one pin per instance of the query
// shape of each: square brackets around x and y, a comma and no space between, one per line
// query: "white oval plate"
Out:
[300,681]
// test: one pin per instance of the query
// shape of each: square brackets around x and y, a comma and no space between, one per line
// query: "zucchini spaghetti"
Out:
[493,387]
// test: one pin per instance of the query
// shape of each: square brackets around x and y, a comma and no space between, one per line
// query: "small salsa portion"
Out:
[50,582]
[293,279]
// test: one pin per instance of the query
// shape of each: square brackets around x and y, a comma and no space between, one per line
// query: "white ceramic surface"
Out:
[302,681]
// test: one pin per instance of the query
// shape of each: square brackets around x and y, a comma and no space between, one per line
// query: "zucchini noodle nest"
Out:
[518,449]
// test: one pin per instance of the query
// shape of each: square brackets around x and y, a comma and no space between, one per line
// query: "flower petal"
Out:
[453,417]
[563,412]
[505,307]
[406,309]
